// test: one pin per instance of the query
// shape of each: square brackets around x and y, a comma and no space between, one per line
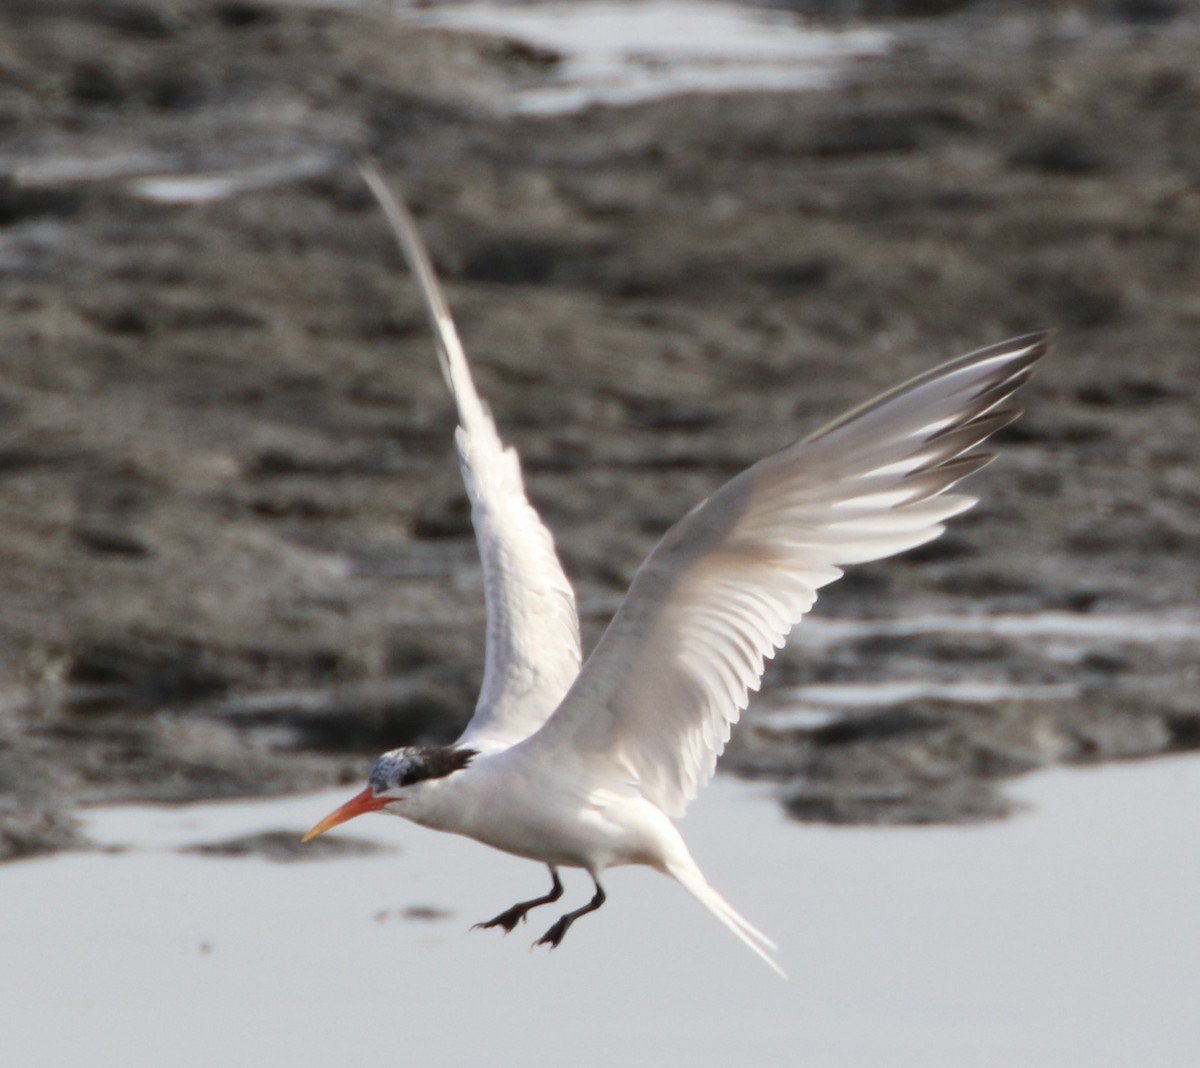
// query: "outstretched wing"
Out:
[721,590]
[533,651]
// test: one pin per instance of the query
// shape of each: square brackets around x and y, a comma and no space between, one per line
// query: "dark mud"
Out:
[284,847]
[236,557]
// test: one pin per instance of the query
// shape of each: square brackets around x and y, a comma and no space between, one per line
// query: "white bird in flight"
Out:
[584,764]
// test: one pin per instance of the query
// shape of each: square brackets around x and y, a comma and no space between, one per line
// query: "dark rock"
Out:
[1184,731]
[511,260]
[941,802]
[143,673]
[1147,12]
[149,21]
[242,15]
[1060,151]
[19,203]
[426,716]
[875,727]
[95,83]
[1130,391]
[452,519]
[112,542]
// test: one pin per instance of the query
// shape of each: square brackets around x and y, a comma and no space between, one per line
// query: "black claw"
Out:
[555,935]
[507,919]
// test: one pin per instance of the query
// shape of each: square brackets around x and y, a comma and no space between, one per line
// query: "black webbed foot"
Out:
[509,918]
[555,935]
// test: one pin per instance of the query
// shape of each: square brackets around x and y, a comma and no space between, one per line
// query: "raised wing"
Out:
[533,651]
[721,590]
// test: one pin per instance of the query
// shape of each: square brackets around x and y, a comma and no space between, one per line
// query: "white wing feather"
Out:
[721,590]
[533,651]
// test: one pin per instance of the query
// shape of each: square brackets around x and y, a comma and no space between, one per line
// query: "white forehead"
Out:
[394,769]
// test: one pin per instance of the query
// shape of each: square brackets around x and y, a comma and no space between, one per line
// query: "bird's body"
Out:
[550,813]
[584,766]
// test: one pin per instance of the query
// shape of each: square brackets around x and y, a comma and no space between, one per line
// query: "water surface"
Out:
[1067,935]
[625,53]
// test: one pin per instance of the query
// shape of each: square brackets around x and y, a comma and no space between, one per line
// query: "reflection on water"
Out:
[201,188]
[625,53]
[816,704]
[1064,936]
[1131,628]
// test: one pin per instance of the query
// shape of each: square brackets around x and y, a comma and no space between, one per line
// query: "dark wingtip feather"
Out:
[1022,352]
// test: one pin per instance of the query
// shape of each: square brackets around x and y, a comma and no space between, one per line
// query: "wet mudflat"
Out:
[236,554]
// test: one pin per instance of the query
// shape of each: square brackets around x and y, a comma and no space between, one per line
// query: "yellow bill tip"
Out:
[356,806]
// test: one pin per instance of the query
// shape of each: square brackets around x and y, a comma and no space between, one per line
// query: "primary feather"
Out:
[721,590]
[533,651]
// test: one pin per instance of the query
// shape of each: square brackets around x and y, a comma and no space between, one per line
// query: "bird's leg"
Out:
[509,918]
[555,935]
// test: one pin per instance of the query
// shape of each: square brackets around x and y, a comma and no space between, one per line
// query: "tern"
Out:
[585,764]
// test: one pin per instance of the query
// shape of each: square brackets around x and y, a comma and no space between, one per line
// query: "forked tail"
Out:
[693,881]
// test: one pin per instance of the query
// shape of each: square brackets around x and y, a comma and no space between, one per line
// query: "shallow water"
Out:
[1067,935]
[627,53]
[201,188]
[816,704]
[612,53]
[1130,628]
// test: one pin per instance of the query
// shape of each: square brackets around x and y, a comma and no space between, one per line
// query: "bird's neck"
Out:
[445,804]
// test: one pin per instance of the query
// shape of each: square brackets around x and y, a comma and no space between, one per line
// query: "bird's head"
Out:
[405,774]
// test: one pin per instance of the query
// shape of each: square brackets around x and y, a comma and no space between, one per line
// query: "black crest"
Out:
[415,763]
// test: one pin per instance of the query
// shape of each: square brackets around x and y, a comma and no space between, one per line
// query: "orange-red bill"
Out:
[356,806]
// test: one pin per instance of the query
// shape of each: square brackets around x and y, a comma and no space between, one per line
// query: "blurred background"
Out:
[235,554]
